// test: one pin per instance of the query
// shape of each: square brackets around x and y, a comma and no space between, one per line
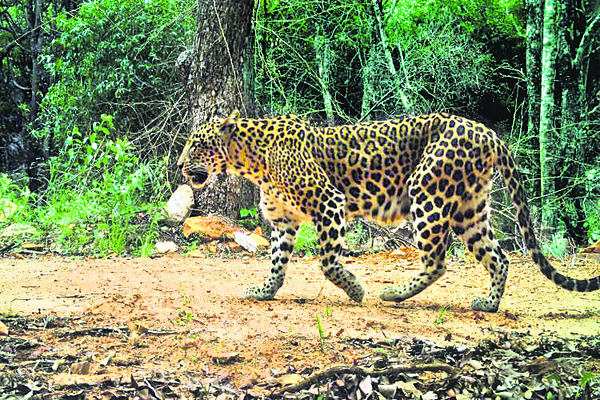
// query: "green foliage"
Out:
[445,56]
[357,234]
[496,17]
[444,68]
[115,57]
[186,314]
[249,218]
[306,239]
[451,52]
[567,387]
[248,212]
[592,224]
[587,379]
[557,247]
[14,200]
[15,75]
[592,212]
[100,197]
[104,175]
[287,35]
[441,317]
[323,334]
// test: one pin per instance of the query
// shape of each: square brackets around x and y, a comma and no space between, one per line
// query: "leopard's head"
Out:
[205,153]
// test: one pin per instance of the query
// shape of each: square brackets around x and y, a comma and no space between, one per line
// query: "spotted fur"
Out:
[435,168]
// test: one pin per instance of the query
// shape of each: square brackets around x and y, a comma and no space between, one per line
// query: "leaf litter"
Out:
[511,365]
[177,328]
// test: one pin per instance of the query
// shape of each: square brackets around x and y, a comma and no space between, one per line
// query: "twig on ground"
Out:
[361,371]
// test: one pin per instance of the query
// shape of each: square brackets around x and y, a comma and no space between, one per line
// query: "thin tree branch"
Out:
[587,39]
[361,371]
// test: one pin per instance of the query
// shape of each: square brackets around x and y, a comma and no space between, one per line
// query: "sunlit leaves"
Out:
[442,54]
[114,57]
[506,17]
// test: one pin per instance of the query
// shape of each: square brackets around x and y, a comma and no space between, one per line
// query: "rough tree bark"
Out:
[576,147]
[323,56]
[36,50]
[547,112]
[35,21]
[571,147]
[218,76]
[533,56]
[563,106]
[380,47]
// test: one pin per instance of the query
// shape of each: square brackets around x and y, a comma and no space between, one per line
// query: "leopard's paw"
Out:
[390,293]
[356,292]
[257,293]
[484,304]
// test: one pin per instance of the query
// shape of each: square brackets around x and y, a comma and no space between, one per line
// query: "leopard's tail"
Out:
[507,168]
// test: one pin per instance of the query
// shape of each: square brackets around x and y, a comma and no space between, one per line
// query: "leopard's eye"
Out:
[199,176]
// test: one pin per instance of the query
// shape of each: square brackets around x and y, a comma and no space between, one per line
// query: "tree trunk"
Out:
[323,57]
[219,80]
[566,148]
[575,38]
[406,103]
[36,48]
[368,75]
[547,113]
[533,58]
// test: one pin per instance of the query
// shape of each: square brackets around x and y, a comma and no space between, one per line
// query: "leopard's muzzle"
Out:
[197,175]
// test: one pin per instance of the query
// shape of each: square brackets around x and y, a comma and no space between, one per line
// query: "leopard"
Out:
[434,169]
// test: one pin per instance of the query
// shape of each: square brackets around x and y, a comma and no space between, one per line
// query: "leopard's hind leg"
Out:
[432,239]
[472,226]
[431,215]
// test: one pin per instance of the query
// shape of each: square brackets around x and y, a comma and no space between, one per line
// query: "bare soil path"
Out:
[187,314]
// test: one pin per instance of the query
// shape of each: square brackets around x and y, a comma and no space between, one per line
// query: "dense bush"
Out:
[100,198]
[111,112]
[117,58]
[446,56]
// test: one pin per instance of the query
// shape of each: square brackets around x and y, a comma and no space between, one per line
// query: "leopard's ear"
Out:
[228,124]
[232,119]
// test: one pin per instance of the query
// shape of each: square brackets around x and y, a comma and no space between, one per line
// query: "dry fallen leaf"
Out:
[248,381]
[107,358]
[397,253]
[166,247]
[134,338]
[137,327]
[233,246]
[290,379]
[80,368]
[260,241]
[210,228]
[3,329]
[196,254]
[212,246]
[595,248]
[226,358]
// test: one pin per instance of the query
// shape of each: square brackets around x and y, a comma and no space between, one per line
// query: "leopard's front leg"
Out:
[283,238]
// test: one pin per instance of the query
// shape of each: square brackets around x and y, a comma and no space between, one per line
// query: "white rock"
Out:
[166,247]
[179,206]
[245,241]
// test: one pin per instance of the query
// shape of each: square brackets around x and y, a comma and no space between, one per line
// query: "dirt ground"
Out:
[190,315]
